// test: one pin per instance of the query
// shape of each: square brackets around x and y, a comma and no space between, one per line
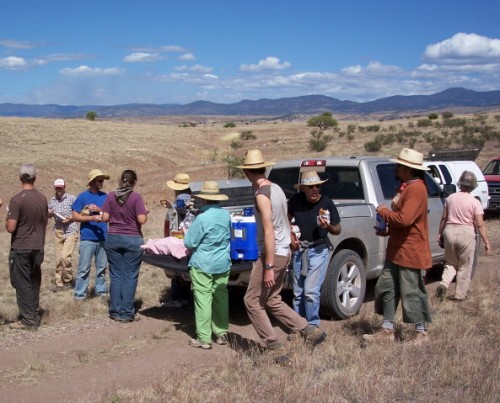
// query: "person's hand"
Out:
[269,278]
[94,208]
[487,248]
[381,207]
[323,222]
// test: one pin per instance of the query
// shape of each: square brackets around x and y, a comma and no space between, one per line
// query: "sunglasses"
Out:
[313,186]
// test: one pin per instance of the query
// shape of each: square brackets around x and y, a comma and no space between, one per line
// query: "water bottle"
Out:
[380,225]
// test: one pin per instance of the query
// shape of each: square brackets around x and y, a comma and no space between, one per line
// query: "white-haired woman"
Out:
[462,217]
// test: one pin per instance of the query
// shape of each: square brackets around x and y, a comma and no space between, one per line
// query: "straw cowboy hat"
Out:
[210,191]
[96,173]
[180,182]
[254,160]
[411,158]
[309,178]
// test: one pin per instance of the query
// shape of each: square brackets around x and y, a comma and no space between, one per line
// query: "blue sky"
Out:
[111,52]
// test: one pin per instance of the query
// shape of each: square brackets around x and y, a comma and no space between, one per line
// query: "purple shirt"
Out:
[123,219]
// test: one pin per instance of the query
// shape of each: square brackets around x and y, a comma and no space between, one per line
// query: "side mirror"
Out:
[449,189]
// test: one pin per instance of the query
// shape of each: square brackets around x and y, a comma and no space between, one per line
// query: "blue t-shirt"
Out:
[92,230]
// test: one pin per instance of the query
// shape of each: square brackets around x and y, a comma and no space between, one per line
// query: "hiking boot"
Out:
[21,326]
[277,352]
[200,344]
[381,335]
[313,336]
[420,338]
[222,340]
[440,293]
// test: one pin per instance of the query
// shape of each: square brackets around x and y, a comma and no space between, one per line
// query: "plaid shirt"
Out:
[63,207]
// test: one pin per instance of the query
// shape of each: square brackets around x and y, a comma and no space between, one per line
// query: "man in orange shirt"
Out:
[408,252]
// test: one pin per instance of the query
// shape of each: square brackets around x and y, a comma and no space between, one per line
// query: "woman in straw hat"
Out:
[268,272]
[180,292]
[208,238]
[408,252]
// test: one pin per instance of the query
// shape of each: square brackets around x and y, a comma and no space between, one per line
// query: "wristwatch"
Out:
[268,266]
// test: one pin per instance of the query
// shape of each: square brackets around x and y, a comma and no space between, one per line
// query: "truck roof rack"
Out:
[458,154]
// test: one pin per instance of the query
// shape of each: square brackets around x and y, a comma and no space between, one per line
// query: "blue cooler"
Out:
[244,236]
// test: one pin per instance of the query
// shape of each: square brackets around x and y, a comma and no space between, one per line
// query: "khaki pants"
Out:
[459,244]
[64,257]
[260,301]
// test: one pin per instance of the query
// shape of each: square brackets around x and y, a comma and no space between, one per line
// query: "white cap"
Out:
[59,183]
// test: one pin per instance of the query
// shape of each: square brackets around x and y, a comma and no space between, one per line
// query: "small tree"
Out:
[91,115]
[323,121]
[229,125]
[433,116]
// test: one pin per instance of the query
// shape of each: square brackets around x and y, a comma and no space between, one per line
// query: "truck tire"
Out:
[343,290]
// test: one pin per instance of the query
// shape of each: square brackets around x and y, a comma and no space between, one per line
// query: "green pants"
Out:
[211,305]
[401,283]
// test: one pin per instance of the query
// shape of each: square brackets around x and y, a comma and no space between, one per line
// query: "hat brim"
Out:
[298,185]
[409,164]
[106,177]
[215,197]
[177,186]
[257,166]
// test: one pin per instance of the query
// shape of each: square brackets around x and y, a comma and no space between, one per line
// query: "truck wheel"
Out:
[343,290]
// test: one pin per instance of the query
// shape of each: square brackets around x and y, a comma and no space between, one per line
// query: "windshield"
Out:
[493,168]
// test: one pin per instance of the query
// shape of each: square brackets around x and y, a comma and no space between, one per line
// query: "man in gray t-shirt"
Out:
[263,294]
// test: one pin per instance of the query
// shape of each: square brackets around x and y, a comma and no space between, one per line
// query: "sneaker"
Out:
[380,336]
[222,340]
[313,336]
[172,303]
[277,352]
[420,338]
[440,293]
[200,344]
[21,326]
[136,318]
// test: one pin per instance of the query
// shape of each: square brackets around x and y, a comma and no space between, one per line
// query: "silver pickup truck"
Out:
[356,185]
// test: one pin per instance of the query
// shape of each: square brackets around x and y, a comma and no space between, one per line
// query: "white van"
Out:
[448,172]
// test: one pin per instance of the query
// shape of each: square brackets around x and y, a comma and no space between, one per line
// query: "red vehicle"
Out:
[492,175]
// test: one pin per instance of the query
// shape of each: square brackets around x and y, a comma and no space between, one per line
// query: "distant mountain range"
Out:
[451,98]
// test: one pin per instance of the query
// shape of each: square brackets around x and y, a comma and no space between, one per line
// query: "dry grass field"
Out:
[79,355]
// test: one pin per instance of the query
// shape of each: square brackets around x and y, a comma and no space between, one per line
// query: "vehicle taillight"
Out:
[313,163]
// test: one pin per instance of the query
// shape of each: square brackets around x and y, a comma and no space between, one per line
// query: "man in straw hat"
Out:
[316,217]
[408,252]
[208,238]
[87,211]
[180,292]
[266,280]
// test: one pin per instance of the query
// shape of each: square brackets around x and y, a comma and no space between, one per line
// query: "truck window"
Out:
[389,183]
[285,178]
[446,174]
[493,168]
[344,183]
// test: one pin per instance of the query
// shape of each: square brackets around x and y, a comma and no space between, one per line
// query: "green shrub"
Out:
[236,144]
[447,115]
[91,115]
[317,145]
[247,135]
[229,125]
[424,123]
[433,116]
[372,128]
[373,145]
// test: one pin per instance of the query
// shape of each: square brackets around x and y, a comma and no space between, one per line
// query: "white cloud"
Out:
[89,71]
[187,57]
[461,47]
[352,70]
[60,57]
[269,63]
[197,68]
[13,63]
[140,57]
[13,44]
[160,49]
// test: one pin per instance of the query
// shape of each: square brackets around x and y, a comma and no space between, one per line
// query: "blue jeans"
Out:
[88,249]
[125,258]
[307,289]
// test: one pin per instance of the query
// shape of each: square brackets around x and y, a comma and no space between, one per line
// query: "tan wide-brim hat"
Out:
[309,178]
[96,173]
[210,191]
[180,182]
[254,160]
[411,158]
